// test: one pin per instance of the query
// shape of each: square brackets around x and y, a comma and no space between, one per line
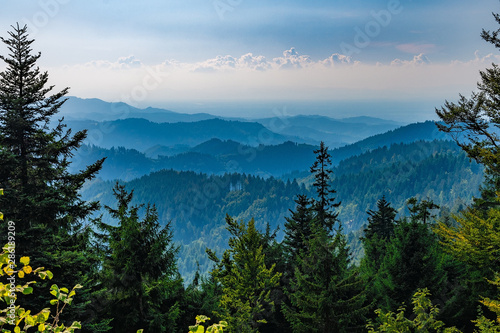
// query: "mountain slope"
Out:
[426,131]
[217,156]
[197,203]
[212,157]
[142,134]
[95,109]
[334,132]
[307,129]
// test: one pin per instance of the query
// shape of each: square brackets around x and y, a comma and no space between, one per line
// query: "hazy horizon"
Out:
[398,111]
[393,59]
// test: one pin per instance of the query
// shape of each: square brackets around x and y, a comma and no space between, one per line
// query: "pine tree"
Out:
[325,295]
[325,203]
[377,234]
[472,123]
[298,228]
[381,221]
[421,211]
[139,278]
[413,261]
[34,160]
[245,279]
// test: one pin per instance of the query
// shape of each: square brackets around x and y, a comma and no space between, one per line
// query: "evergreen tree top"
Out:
[325,203]
[381,221]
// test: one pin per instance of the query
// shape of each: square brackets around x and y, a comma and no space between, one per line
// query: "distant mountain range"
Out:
[96,109]
[334,132]
[302,129]
[143,135]
[219,156]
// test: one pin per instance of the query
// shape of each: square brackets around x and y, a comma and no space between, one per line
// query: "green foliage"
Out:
[325,203]
[436,170]
[381,221]
[325,295]
[139,279]
[494,305]
[473,122]
[44,200]
[246,280]
[22,320]
[197,205]
[475,237]
[377,235]
[214,328]
[298,228]
[424,320]
[15,315]
[413,261]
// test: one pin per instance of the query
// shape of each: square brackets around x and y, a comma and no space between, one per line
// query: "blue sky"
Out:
[197,52]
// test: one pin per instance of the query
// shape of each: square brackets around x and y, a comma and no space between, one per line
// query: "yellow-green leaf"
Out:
[25,260]
[196,329]
[41,327]
[27,290]
[30,320]
[20,274]
[17,329]
[8,270]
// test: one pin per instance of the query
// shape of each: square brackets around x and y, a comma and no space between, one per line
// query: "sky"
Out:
[395,59]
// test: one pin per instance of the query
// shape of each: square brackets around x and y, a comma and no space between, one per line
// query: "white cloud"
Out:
[257,63]
[245,62]
[292,59]
[417,60]
[337,59]
[480,60]
[249,76]
[121,63]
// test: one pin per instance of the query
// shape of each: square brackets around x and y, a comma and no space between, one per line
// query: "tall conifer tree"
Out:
[377,234]
[298,228]
[246,280]
[325,294]
[34,159]
[325,202]
[381,221]
[139,279]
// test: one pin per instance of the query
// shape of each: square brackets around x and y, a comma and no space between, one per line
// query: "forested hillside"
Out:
[216,156]
[436,170]
[141,134]
[197,203]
